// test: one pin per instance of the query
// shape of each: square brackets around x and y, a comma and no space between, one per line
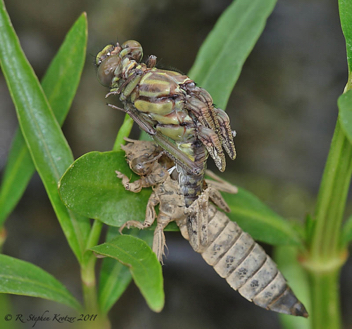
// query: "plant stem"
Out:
[123,132]
[325,306]
[88,278]
[325,258]
[88,270]
[332,199]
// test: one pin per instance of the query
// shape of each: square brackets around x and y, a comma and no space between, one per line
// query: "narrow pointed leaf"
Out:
[59,84]
[345,113]
[347,231]
[143,264]
[22,278]
[90,187]
[345,9]
[345,100]
[262,223]
[47,145]
[221,57]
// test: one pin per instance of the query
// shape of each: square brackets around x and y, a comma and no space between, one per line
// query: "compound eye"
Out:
[106,52]
[106,70]
[133,49]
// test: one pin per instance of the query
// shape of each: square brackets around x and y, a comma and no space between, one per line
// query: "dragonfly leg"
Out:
[151,61]
[142,122]
[220,184]
[216,197]
[149,218]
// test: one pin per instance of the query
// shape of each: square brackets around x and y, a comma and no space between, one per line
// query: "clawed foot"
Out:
[133,224]
[159,244]
[124,178]
[113,92]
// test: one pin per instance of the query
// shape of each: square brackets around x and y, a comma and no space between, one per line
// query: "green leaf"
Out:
[46,143]
[59,84]
[143,264]
[222,55]
[115,277]
[18,171]
[259,220]
[345,9]
[345,113]
[347,231]
[286,258]
[90,187]
[22,278]
[309,226]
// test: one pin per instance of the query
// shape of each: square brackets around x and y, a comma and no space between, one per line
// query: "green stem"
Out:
[325,258]
[325,306]
[88,270]
[332,199]
[89,280]
[123,132]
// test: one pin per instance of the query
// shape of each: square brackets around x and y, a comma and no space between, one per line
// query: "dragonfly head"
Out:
[110,58]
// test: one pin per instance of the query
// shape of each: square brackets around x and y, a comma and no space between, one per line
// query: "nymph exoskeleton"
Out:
[233,253]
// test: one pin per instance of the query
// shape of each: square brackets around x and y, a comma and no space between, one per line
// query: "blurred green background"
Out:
[283,109]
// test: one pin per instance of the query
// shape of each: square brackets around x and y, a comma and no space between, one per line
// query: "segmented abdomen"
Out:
[192,185]
[246,267]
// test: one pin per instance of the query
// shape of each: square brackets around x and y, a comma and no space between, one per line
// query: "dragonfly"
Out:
[171,108]
[233,253]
